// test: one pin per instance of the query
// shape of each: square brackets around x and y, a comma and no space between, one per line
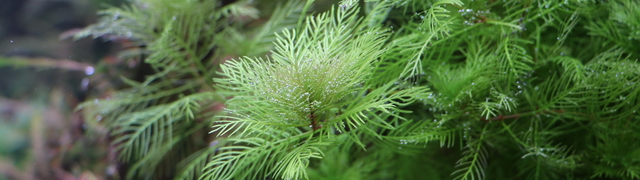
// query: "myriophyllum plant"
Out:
[315,87]
[536,89]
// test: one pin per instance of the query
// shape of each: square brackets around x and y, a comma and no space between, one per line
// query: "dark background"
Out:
[41,134]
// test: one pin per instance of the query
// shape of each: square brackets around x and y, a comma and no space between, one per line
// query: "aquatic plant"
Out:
[404,89]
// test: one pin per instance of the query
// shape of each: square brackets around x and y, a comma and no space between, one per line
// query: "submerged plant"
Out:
[535,89]
[315,88]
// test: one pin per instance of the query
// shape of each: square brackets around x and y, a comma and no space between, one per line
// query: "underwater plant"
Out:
[388,89]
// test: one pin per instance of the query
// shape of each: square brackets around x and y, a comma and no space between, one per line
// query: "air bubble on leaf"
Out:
[213,143]
[403,141]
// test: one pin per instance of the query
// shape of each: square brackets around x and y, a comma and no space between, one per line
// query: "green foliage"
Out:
[159,122]
[297,103]
[533,89]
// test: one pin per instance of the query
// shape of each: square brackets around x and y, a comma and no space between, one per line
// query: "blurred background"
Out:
[44,74]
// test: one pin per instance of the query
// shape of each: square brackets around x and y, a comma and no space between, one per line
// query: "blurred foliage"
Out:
[42,79]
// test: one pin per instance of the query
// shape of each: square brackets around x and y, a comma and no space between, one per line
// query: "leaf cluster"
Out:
[532,89]
[316,87]
[163,120]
